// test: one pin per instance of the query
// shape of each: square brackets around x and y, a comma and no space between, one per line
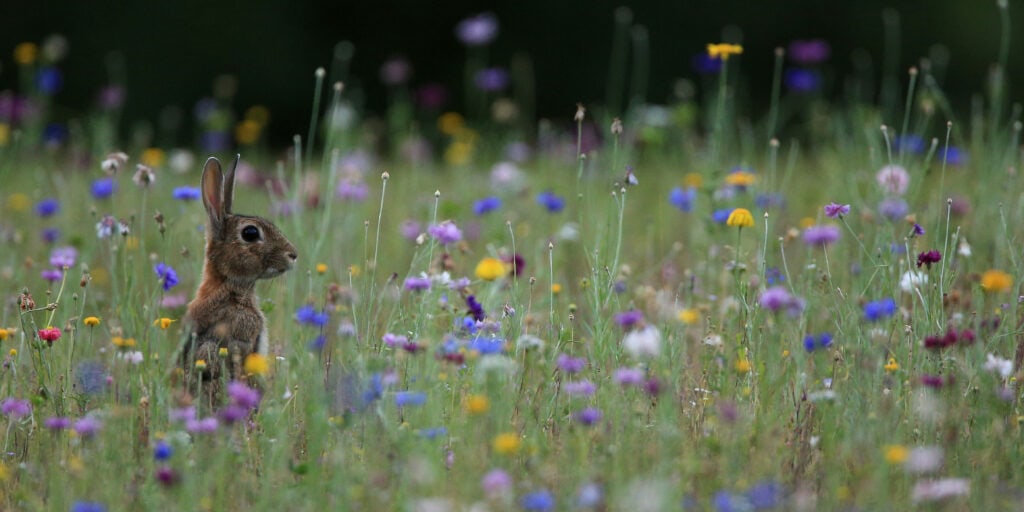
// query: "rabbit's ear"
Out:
[213,193]
[229,184]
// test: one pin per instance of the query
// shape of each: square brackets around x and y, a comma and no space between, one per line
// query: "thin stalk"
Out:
[317,92]
[773,111]
[906,109]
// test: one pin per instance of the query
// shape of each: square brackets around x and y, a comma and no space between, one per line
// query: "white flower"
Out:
[133,357]
[935,490]
[913,279]
[644,342]
[181,161]
[713,340]
[924,459]
[529,342]
[964,248]
[994,363]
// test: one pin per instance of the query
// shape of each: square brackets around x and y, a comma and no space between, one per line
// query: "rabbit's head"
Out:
[240,248]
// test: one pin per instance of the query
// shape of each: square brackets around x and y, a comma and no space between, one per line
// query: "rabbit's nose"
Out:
[292,255]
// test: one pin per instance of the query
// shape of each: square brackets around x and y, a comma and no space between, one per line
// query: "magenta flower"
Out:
[835,210]
[928,257]
[15,408]
[820,236]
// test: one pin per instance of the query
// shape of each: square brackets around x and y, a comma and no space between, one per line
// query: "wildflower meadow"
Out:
[687,305]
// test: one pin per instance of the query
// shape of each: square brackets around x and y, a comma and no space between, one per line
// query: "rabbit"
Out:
[225,313]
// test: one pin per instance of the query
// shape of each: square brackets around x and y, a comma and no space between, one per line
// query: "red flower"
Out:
[50,334]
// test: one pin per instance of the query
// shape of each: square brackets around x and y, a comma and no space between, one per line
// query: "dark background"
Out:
[173,50]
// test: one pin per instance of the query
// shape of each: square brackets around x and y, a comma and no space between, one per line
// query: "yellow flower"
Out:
[256,364]
[18,202]
[490,269]
[153,157]
[477,404]
[785,353]
[13,352]
[258,114]
[5,134]
[556,288]
[743,365]
[450,122]
[895,453]
[740,218]
[740,179]
[507,443]
[123,342]
[26,53]
[458,153]
[693,180]
[91,321]
[321,268]
[222,352]
[200,364]
[689,316]
[806,222]
[5,474]
[996,281]
[723,50]
[354,270]
[247,132]
[892,365]
[164,322]
[3,334]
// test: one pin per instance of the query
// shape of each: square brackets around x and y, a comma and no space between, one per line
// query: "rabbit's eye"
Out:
[250,233]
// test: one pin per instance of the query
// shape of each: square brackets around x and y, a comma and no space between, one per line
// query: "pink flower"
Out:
[893,179]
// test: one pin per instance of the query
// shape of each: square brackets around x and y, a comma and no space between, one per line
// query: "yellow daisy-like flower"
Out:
[723,50]
[490,269]
[200,364]
[26,53]
[153,157]
[689,316]
[256,364]
[354,270]
[5,134]
[258,114]
[18,202]
[507,443]
[556,288]
[693,180]
[222,352]
[321,268]
[806,222]
[895,453]
[91,321]
[247,132]
[743,365]
[450,123]
[477,404]
[740,179]
[740,218]
[4,333]
[120,342]
[163,323]
[996,281]
[13,352]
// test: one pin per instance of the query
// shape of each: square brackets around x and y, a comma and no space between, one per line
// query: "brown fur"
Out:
[226,312]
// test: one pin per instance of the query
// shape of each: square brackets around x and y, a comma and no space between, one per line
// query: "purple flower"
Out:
[352,190]
[203,426]
[551,201]
[777,298]
[764,495]
[486,205]
[87,426]
[50,235]
[167,275]
[308,315]
[629,319]
[182,414]
[928,258]
[395,71]
[88,506]
[893,208]
[111,97]
[579,388]
[802,80]
[15,408]
[820,236]
[186,193]
[918,230]
[491,79]
[417,284]
[495,482]
[570,365]
[588,416]
[47,207]
[476,310]
[431,96]
[477,30]
[652,386]
[103,188]
[683,198]
[835,210]
[811,51]
[52,275]
[57,423]
[446,232]
[893,179]
[629,376]
[410,229]
[242,395]
[394,340]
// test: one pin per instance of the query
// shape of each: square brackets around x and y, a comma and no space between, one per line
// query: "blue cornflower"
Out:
[553,202]
[410,398]
[49,80]
[588,416]
[167,275]
[186,193]
[308,315]
[50,235]
[879,309]
[88,506]
[774,276]
[954,155]
[103,188]
[720,216]
[802,80]
[725,501]
[432,433]
[162,450]
[909,143]
[475,309]
[765,495]
[893,208]
[47,207]
[91,377]
[683,198]
[823,340]
[318,343]
[487,204]
[491,79]
[539,501]
[486,346]
[374,389]
[703,64]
